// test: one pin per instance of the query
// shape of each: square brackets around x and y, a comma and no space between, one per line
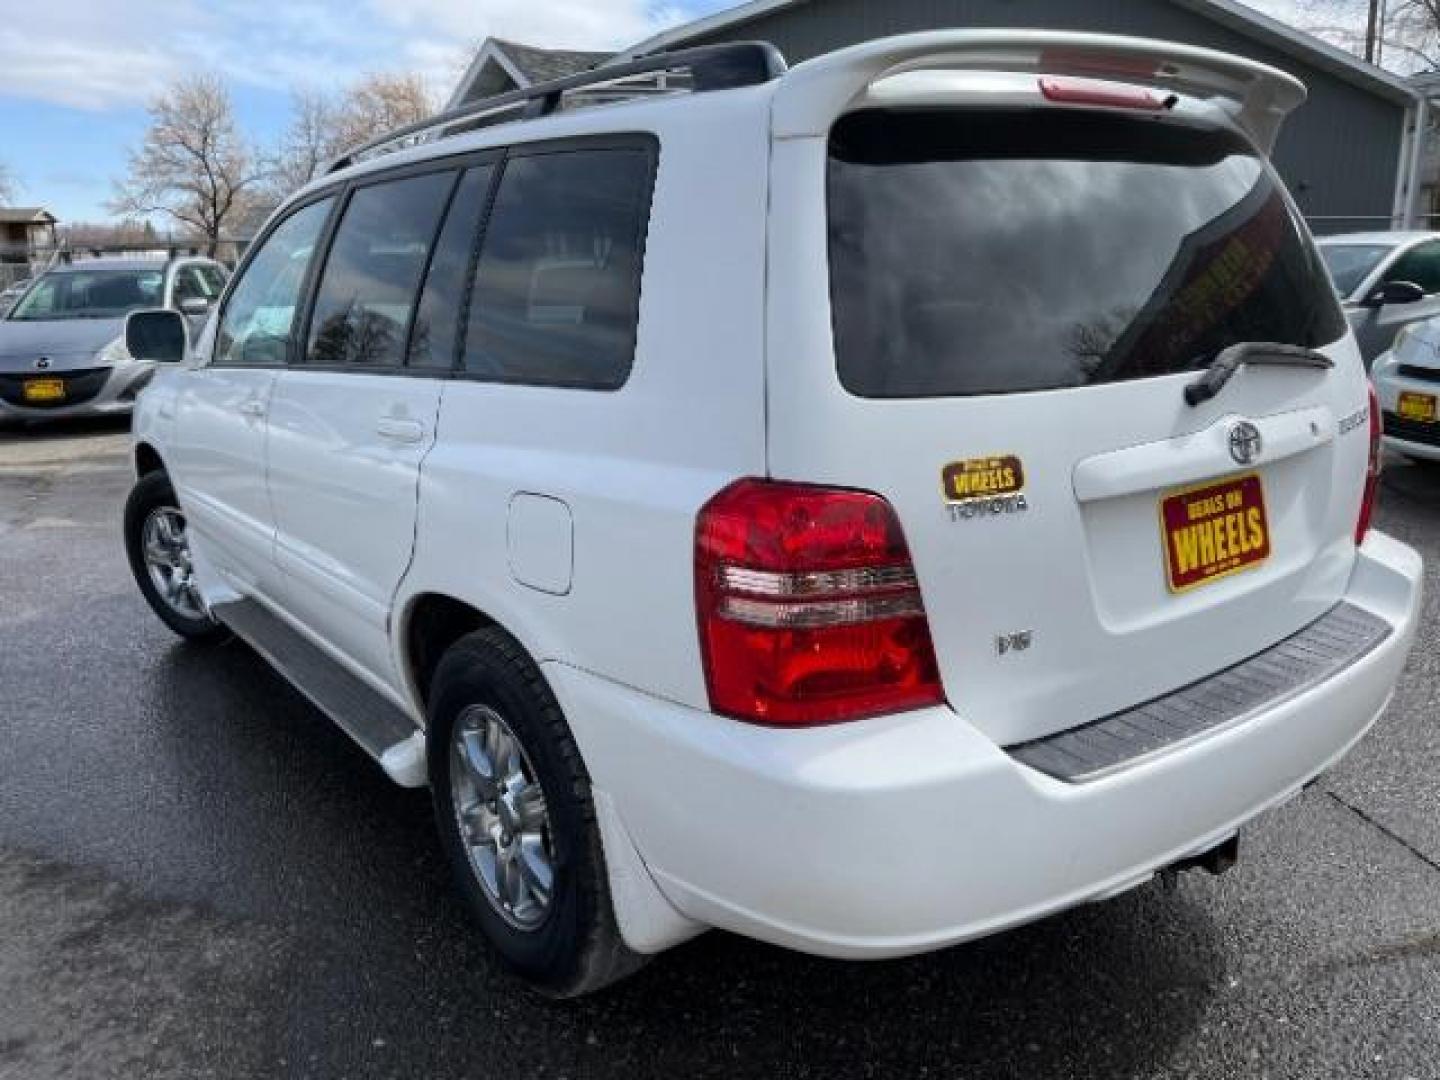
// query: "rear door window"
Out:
[367,289]
[437,321]
[557,287]
[985,252]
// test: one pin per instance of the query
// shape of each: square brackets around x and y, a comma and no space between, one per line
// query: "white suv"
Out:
[862,507]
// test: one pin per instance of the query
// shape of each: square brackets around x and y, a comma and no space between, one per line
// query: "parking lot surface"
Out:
[201,877]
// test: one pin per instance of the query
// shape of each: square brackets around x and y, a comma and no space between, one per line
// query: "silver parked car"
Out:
[11,294]
[62,348]
[1386,280]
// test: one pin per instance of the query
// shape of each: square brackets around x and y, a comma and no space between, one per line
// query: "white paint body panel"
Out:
[541,541]
[320,509]
[344,472]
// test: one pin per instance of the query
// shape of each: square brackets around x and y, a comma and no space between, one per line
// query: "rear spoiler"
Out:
[1258,97]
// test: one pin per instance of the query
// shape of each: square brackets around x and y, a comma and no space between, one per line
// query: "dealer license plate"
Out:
[1415,406]
[1213,530]
[44,390]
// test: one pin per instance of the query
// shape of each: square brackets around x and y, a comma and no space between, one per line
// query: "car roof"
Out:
[109,264]
[1388,239]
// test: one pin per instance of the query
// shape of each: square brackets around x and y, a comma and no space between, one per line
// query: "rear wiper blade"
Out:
[1235,357]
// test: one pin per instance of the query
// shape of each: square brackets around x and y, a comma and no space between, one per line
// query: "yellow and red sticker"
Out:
[1214,530]
[982,478]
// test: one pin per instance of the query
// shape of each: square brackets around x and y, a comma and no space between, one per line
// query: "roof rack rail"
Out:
[710,67]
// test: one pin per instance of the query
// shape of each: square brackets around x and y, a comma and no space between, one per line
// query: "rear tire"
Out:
[159,553]
[506,774]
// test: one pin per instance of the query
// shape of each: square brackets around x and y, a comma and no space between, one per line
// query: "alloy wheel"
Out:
[503,820]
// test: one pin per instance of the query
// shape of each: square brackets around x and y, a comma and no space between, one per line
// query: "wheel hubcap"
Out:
[167,559]
[504,824]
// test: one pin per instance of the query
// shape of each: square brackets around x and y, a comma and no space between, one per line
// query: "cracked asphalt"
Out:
[201,877]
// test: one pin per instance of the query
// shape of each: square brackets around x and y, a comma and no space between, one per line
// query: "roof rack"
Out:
[705,68]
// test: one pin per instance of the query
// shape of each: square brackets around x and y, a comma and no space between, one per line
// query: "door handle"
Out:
[252,407]
[398,430]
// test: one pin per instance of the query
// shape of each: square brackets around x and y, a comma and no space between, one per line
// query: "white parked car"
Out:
[1407,382]
[1386,281]
[863,507]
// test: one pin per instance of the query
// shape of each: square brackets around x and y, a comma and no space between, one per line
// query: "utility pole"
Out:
[1372,31]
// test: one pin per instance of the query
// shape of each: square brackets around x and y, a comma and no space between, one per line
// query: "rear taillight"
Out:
[1372,471]
[809,609]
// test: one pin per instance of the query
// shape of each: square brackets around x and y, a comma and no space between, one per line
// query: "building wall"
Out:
[1339,153]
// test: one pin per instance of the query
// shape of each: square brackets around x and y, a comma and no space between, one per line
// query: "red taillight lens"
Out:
[1372,471]
[808,605]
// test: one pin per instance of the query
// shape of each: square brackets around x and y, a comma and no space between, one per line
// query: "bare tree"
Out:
[323,127]
[379,102]
[193,166]
[309,142]
[7,184]
[1401,34]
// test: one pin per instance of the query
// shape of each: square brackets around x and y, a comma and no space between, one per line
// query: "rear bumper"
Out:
[909,833]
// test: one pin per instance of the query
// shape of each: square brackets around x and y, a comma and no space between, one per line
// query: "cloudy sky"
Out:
[75,74]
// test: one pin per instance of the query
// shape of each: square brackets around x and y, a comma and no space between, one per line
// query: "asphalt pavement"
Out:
[201,877]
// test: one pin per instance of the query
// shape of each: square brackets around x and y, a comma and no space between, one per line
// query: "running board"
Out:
[380,727]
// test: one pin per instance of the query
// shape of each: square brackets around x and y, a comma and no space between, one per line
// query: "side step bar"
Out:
[377,724]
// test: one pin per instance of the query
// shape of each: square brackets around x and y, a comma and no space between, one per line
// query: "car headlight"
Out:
[114,353]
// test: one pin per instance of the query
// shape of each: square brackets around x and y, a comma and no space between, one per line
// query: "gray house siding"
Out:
[1339,153]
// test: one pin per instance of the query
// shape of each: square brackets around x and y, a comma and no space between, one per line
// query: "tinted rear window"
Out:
[557,287]
[1010,250]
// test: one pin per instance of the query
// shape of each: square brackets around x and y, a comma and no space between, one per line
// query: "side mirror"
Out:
[159,335]
[194,305]
[1394,292]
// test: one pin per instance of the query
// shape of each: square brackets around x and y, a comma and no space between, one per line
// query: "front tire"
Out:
[158,546]
[513,807]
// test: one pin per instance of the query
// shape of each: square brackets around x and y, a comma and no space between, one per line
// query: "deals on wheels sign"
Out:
[1213,531]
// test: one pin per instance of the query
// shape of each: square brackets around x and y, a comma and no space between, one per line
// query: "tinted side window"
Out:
[1421,266]
[557,287]
[367,290]
[260,315]
[437,322]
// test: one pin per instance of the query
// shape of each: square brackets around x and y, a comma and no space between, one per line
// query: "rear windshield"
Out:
[982,252]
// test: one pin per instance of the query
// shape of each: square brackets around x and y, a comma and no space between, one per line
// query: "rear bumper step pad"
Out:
[1332,643]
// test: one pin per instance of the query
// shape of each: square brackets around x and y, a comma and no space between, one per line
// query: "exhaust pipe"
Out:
[1216,860]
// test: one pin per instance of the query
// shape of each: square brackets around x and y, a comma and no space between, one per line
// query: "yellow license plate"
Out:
[1415,406]
[44,390]
[1213,530]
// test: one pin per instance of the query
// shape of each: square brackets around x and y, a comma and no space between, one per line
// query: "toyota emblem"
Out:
[1245,442]
[43,364]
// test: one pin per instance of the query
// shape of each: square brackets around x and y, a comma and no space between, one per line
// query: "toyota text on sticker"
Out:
[984,486]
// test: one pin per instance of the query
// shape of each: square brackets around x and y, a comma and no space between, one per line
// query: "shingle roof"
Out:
[11,215]
[542,65]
